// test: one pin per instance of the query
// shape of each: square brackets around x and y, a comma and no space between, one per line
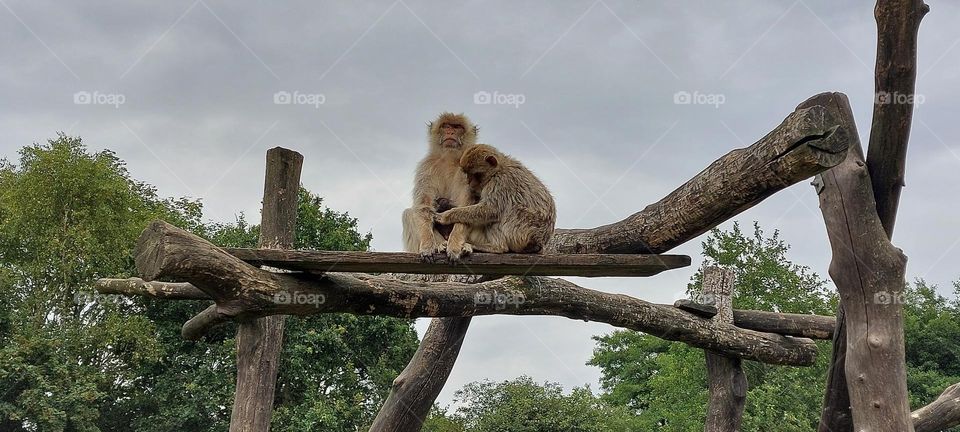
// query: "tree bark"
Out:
[244,292]
[259,341]
[725,377]
[869,273]
[787,324]
[898,22]
[804,144]
[942,414]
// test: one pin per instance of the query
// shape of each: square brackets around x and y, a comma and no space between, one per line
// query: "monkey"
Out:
[515,211]
[440,184]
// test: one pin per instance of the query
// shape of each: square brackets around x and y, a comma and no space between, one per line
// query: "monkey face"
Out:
[451,135]
[479,163]
[451,132]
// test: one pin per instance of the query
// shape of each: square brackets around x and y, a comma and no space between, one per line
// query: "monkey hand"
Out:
[442,218]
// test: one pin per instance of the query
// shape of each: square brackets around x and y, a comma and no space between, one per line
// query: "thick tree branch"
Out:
[787,324]
[804,144]
[941,414]
[244,292]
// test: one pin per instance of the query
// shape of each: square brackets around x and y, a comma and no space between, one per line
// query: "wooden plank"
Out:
[589,265]
[259,342]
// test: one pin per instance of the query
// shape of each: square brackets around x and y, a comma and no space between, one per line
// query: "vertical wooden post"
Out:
[259,341]
[728,384]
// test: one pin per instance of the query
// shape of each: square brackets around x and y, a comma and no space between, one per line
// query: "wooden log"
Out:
[798,148]
[804,144]
[245,292]
[787,324]
[941,414]
[725,378]
[589,265]
[259,341]
[869,274]
[163,290]
[898,22]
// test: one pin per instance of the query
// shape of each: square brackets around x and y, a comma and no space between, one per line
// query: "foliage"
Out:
[664,383]
[72,360]
[522,405]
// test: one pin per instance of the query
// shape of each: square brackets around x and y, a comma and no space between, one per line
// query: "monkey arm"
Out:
[478,214]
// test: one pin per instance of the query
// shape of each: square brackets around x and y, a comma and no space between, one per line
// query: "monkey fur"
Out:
[515,211]
[439,184]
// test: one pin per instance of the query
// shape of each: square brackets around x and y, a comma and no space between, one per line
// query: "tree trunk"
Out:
[259,342]
[725,377]
[898,22]
[869,273]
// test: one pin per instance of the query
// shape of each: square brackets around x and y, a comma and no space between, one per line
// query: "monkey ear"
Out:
[492,160]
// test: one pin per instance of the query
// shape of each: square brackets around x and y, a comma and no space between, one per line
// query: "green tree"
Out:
[522,405]
[71,360]
[66,218]
[664,383]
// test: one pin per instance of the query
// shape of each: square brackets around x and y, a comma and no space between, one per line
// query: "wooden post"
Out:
[259,341]
[728,384]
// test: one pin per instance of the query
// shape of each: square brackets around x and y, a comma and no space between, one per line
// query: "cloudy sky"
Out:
[186,92]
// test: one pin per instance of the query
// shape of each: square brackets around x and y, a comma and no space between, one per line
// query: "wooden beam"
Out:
[245,292]
[725,378]
[898,23]
[804,144]
[869,274]
[941,414]
[259,341]
[590,265]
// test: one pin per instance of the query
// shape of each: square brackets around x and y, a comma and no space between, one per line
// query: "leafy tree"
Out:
[522,405]
[664,383]
[66,218]
[71,360]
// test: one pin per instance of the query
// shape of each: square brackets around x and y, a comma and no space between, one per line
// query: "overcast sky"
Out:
[186,92]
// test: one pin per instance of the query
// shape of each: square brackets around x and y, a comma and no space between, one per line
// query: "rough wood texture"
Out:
[803,145]
[725,378]
[163,290]
[792,152]
[941,414]
[259,341]
[869,274]
[245,292]
[898,22]
[202,323]
[589,265]
[802,325]
[405,408]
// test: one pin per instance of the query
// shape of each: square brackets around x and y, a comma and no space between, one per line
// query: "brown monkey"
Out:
[439,185]
[515,211]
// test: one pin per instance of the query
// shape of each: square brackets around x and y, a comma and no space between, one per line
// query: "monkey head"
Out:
[451,131]
[480,162]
